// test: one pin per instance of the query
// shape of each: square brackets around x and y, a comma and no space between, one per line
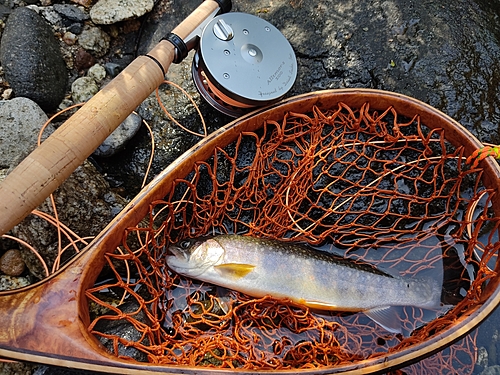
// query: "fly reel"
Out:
[243,63]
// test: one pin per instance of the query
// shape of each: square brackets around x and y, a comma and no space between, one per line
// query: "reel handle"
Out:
[42,171]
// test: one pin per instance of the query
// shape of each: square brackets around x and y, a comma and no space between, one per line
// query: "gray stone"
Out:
[48,12]
[71,12]
[95,40]
[4,11]
[32,60]
[75,28]
[20,122]
[107,12]
[113,69]
[493,370]
[97,72]
[119,138]
[83,89]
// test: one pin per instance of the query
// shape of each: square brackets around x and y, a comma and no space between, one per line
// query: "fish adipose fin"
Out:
[235,270]
[387,317]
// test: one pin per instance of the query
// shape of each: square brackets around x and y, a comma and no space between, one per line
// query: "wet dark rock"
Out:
[4,11]
[85,204]
[120,137]
[12,263]
[125,330]
[113,69]
[32,60]
[71,12]
[75,28]
[127,169]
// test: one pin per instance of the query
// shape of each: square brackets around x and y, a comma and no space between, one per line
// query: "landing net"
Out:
[363,184]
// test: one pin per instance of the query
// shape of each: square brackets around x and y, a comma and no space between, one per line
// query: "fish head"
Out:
[192,257]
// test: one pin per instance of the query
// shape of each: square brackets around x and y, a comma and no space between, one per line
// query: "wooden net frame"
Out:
[371,184]
[367,173]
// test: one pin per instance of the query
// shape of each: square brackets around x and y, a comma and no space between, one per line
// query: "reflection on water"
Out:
[488,346]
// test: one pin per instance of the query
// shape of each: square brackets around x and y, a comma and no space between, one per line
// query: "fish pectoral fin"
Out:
[236,270]
[387,317]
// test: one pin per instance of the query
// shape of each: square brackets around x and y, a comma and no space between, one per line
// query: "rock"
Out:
[95,40]
[85,204]
[124,330]
[20,122]
[97,72]
[492,370]
[85,3]
[113,69]
[12,263]
[4,11]
[119,138]
[71,12]
[107,12]
[7,94]
[48,12]
[83,60]
[32,60]
[69,38]
[83,89]
[75,28]
[10,283]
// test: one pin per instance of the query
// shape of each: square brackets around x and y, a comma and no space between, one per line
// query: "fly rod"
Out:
[45,169]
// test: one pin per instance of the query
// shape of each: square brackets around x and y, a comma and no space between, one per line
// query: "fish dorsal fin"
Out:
[387,317]
[235,270]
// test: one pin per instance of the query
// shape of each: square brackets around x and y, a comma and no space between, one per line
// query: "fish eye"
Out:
[184,244]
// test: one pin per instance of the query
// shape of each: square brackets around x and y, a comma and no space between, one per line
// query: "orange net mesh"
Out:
[371,186]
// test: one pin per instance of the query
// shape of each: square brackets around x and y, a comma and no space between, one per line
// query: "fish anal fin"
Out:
[236,270]
[317,305]
[387,317]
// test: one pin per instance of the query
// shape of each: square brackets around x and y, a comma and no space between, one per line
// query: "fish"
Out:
[262,267]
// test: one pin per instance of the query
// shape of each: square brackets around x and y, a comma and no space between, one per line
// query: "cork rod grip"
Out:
[37,176]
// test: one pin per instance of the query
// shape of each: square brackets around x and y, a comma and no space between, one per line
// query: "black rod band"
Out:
[224,5]
[181,50]
[158,63]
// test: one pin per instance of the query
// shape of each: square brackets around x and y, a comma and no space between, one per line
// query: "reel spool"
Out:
[243,63]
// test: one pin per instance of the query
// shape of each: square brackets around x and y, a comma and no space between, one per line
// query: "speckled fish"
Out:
[260,267]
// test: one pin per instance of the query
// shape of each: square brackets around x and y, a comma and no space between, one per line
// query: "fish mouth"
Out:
[178,253]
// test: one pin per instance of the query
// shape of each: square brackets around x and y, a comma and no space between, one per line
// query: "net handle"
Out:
[42,171]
